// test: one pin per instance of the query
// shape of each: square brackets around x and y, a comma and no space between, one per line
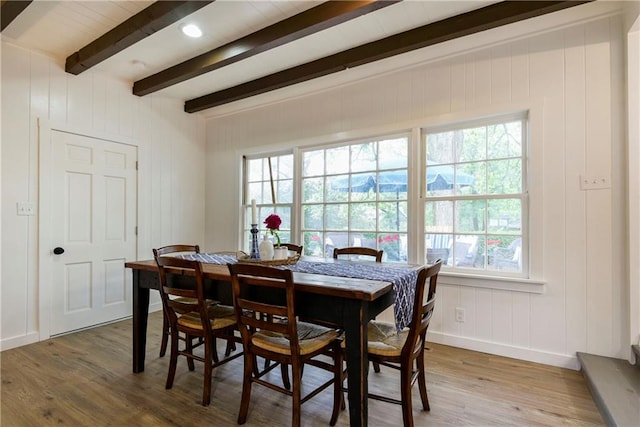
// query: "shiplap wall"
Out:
[171,147]
[572,79]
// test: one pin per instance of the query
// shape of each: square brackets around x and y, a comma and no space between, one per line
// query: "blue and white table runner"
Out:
[402,278]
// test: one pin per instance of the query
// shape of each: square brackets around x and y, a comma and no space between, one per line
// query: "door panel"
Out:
[93,218]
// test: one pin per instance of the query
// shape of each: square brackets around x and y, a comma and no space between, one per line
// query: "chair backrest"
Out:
[356,250]
[178,301]
[293,247]
[175,248]
[422,311]
[256,309]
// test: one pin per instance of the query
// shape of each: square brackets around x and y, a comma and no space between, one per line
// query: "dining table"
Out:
[332,291]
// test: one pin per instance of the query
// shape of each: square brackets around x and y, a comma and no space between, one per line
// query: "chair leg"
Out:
[405,393]
[338,400]
[189,347]
[284,369]
[165,335]
[206,392]
[296,394]
[173,361]
[249,367]
[422,383]
[376,367]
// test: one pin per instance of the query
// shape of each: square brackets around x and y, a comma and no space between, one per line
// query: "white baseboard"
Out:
[13,342]
[531,355]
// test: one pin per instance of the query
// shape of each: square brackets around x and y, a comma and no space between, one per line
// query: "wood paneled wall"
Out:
[171,147]
[571,79]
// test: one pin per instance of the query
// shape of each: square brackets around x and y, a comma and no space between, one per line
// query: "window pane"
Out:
[504,176]
[465,251]
[337,160]
[471,178]
[312,242]
[440,148]
[363,216]
[438,217]
[313,163]
[505,216]
[470,215]
[338,188]
[392,216]
[505,140]
[394,246]
[312,189]
[285,191]
[393,153]
[254,167]
[363,157]
[336,217]
[471,144]
[505,253]
[312,217]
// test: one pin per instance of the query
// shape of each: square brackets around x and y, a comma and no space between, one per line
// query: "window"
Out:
[475,200]
[269,180]
[356,195]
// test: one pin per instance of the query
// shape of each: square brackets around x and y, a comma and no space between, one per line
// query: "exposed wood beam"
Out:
[9,10]
[143,24]
[488,17]
[303,24]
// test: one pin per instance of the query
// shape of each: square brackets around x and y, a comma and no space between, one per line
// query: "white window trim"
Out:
[534,187]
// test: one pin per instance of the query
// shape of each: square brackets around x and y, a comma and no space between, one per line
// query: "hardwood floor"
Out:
[85,379]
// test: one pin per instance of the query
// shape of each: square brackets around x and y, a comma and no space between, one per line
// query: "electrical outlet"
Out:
[460,314]
[25,208]
[594,182]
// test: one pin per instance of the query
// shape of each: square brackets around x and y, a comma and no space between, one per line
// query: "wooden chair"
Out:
[165,250]
[401,352]
[293,247]
[262,293]
[356,250]
[189,313]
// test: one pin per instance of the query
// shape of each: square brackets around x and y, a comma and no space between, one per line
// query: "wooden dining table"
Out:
[346,302]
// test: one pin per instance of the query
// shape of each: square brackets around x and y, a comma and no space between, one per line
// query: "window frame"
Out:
[523,196]
[300,152]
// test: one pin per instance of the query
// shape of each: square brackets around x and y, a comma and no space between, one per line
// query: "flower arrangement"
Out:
[272,223]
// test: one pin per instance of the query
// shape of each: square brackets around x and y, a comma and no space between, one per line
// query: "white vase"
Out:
[266,249]
[281,252]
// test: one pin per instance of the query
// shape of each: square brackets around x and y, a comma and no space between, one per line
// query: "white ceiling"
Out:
[60,28]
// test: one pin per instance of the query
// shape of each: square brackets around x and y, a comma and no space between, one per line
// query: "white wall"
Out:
[572,78]
[171,147]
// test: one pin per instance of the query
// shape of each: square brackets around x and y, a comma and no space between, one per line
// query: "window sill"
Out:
[492,282]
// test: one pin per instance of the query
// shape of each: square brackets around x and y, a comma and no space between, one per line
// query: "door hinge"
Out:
[136,230]
[136,165]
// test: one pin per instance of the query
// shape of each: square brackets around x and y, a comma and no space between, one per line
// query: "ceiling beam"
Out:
[311,21]
[482,19]
[9,10]
[143,24]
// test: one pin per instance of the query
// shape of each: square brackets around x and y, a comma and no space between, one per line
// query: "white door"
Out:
[94,193]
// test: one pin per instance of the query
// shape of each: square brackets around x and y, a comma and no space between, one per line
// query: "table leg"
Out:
[357,364]
[140,316]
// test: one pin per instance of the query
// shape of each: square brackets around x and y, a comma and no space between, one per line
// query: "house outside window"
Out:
[356,195]
[475,196]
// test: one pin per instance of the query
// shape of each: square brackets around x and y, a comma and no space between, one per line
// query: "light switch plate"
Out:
[25,208]
[588,182]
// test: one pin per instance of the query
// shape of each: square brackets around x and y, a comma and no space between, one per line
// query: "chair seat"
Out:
[311,338]
[384,339]
[221,316]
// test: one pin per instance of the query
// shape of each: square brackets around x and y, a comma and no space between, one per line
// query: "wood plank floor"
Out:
[85,379]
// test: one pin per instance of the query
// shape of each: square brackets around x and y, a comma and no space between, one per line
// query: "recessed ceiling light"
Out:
[192,30]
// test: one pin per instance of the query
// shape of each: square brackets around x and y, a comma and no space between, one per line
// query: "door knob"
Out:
[58,251]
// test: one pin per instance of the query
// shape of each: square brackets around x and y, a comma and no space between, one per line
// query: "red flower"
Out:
[273,222]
